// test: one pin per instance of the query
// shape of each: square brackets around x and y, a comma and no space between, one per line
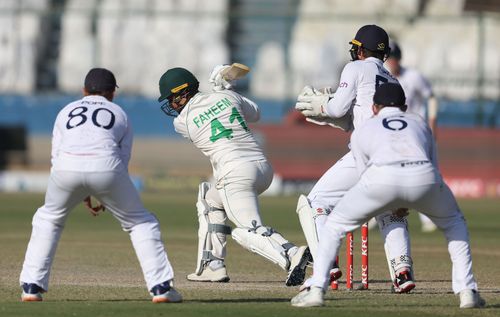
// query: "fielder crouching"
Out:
[91,146]
[396,158]
[216,123]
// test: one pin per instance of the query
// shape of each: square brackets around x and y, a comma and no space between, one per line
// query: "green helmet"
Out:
[175,80]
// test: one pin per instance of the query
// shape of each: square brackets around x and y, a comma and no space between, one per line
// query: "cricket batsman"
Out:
[216,123]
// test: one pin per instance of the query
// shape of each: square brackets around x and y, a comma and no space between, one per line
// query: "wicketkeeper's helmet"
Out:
[176,82]
[370,37]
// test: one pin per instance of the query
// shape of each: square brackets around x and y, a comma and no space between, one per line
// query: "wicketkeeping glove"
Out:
[344,123]
[312,103]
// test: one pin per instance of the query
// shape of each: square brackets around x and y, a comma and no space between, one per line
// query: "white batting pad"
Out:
[307,217]
[211,230]
[265,242]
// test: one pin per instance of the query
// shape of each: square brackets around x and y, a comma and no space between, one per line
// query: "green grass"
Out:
[95,272]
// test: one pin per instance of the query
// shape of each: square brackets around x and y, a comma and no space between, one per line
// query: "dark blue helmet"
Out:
[370,37]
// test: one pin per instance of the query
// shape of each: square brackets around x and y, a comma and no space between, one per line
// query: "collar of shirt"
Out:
[194,98]
[374,60]
[389,111]
[95,98]
[185,111]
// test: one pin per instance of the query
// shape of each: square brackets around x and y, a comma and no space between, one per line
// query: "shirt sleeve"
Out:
[180,125]
[345,95]
[251,111]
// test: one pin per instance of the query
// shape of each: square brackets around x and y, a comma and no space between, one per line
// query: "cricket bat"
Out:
[234,72]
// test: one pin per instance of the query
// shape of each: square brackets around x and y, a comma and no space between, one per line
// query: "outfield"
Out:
[95,272]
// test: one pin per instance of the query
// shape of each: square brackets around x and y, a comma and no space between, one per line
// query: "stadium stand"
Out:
[19,25]
[269,79]
[140,39]
[323,29]
[77,44]
[288,44]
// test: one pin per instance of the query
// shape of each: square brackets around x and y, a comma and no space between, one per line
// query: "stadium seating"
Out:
[288,43]
[19,27]
[269,80]
[140,39]
[438,39]
[77,45]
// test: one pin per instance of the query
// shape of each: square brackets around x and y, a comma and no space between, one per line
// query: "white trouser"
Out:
[113,189]
[333,185]
[391,187]
[237,192]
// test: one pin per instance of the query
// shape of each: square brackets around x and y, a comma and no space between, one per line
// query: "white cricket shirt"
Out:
[216,123]
[392,137]
[417,90]
[91,134]
[356,89]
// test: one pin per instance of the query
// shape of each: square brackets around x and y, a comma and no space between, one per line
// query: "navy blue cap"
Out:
[389,95]
[100,80]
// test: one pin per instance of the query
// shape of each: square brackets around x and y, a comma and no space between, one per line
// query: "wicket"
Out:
[350,260]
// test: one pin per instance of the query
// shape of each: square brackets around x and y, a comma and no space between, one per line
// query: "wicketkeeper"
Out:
[348,108]
[396,159]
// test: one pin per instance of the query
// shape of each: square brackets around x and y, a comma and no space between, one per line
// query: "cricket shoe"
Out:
[31,293]
[298,265]
[309,297]
[404,282]
[210,274]
[470,298]
[165,293]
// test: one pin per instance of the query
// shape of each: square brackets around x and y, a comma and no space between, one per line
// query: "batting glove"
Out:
[217,81]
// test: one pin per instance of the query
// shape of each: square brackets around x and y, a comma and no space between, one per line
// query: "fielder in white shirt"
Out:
[419,98]
[350,107]
[91,146]
[216,123]
[396,160]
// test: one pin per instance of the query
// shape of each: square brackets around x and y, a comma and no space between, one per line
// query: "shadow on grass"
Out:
[203,301]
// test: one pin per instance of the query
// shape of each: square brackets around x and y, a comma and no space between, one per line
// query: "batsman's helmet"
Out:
[176,82]
[395,50]
[370,37]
